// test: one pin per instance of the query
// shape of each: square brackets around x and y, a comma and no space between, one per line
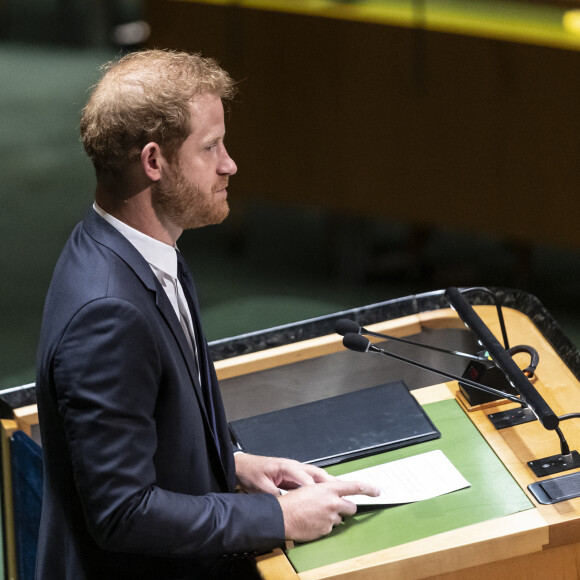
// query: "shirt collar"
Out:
[158,254]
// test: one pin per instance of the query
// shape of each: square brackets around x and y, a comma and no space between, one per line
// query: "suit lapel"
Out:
[105,234]
[168,314]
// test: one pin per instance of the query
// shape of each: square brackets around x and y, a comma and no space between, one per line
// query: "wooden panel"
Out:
[304,350]
[275,565]
[7,427]
[545,538]
[373,119]
[26,417]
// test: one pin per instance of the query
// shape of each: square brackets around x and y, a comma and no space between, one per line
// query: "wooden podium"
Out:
[541,542]
[290,365]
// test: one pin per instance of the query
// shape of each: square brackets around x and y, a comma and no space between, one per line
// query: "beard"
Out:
[187,205]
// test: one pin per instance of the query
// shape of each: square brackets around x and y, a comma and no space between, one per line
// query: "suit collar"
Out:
[158,254]
[105,234]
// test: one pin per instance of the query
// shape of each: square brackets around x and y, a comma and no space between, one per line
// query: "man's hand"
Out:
[314,506]
[313,510]
[270,474]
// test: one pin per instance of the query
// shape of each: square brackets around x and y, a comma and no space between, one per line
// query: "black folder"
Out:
[339,428]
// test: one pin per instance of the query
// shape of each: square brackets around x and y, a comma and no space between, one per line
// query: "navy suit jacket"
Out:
[135,484]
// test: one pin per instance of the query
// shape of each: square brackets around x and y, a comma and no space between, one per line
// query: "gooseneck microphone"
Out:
[527,398]
[502,359]
[345,326]
[359,343]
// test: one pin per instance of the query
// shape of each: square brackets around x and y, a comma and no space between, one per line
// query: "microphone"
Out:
[502,359]
[346,326]
[359,343]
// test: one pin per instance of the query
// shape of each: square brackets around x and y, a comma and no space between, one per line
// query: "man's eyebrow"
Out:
[214,138]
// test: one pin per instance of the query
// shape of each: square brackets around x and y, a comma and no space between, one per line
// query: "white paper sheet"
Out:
[408,480]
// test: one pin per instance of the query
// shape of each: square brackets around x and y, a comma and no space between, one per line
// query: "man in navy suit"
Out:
[140,475]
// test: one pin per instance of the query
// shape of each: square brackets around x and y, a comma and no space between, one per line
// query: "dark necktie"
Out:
[186,281]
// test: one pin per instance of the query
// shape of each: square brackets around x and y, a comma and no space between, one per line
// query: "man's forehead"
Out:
[204,100]
[206,112]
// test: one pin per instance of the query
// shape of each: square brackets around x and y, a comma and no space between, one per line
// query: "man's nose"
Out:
[227,165]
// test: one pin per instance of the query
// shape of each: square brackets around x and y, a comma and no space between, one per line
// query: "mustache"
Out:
[222,184]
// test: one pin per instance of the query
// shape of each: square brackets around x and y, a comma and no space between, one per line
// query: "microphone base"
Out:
[485,373]
[554,464]
[512,417]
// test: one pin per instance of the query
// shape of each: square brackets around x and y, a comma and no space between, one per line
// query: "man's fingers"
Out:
[319,475]
[313,510]
[348,508]
[301,474]
[267,486]
[298,477]
[355,488]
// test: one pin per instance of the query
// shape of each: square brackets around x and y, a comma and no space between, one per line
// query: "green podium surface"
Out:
[493,494]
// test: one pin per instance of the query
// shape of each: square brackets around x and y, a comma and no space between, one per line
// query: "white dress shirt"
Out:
[162,259]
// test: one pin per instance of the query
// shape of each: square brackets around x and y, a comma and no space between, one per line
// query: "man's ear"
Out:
[152,161]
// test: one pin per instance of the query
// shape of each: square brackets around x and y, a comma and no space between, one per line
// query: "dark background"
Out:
[273,261]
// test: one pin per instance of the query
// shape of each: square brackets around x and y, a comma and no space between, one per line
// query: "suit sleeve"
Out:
[106,372]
